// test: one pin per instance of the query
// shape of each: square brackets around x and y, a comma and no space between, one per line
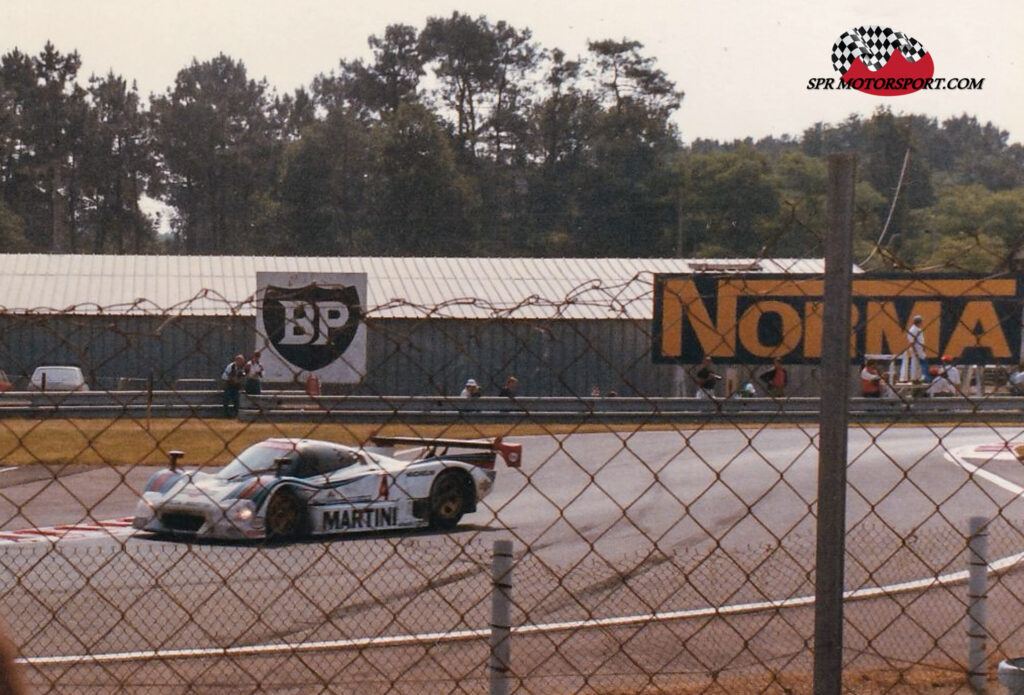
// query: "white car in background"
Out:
[57,378]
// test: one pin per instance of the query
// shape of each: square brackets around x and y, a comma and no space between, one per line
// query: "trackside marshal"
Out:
[311,324]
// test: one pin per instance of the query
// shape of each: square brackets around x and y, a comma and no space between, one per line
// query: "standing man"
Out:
[232,378]
[254,375]
[914,364]
[706,378]
[510,387]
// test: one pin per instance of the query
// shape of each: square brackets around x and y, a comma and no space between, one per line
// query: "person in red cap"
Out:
[946,381]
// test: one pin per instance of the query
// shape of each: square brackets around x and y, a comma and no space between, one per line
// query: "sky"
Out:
[744,65]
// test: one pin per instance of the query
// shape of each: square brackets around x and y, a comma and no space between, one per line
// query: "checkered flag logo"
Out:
[874,46]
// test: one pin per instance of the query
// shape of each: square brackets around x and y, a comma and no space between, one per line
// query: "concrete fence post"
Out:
[977,596]
[501,617]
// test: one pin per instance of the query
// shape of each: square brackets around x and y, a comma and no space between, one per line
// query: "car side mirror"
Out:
[175,456]
[281,463]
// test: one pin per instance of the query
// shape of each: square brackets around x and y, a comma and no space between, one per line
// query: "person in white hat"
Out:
[914,367]
[471,389]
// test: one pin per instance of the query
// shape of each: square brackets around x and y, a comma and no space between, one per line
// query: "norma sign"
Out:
[311,323]
[753,318]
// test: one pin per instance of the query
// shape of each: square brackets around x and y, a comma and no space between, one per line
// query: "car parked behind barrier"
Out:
[58,378]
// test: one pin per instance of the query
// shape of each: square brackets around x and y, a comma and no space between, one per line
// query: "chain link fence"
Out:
[660,542]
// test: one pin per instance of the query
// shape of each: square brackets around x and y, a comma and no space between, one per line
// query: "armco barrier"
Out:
[287,406]
[110,403]
[293,405]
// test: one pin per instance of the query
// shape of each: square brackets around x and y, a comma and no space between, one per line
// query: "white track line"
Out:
[982,473]
[464,635]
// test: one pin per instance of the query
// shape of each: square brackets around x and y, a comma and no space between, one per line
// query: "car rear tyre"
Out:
[284,515]
[447,501]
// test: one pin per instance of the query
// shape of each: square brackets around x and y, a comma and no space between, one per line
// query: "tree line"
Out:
[465,137]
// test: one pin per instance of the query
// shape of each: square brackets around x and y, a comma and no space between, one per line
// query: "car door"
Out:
[350,494]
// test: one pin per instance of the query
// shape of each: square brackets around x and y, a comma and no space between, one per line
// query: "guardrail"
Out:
[106,404]
[291,406]
[281,406]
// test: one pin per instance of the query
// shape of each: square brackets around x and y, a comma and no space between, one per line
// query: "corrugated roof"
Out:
[522,288]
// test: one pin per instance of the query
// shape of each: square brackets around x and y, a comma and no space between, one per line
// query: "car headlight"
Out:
[242,511]
[144,509]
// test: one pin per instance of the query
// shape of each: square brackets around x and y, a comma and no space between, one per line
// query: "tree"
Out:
[219,144]
[423,206]
[118,166]
[627,80]
[727,197]
[481,69]
[392,79]
[624,188]
[561,126]
[44,112]
[981,154]
[968,217]
[12,236]
[324,188]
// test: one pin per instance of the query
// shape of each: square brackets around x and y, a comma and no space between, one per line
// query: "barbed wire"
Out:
[652,549]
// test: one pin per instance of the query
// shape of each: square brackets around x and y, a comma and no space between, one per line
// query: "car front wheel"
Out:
[284,515]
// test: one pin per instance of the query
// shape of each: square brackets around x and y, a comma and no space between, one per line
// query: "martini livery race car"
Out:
[288,488]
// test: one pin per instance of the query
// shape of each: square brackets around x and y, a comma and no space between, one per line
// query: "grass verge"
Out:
[205,441]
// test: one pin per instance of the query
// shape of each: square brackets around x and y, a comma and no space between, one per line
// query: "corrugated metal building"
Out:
[564,326]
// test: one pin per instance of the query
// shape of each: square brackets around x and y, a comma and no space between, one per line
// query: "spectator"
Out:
[872,380]
[231,379]
[471,389]
[510,387]
[1016,382]
[706,378]
[747,391]
[254,375]
[775,379]
[946,381]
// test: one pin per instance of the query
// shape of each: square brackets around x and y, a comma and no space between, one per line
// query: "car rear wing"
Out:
[512,454]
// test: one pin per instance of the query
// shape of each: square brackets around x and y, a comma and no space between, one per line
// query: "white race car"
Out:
[290,488]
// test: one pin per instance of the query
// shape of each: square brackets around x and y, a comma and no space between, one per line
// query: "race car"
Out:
[290,488]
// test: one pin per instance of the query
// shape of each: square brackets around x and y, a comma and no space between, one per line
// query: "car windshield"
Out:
[259,458]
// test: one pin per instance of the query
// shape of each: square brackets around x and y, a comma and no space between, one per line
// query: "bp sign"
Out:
[312,323]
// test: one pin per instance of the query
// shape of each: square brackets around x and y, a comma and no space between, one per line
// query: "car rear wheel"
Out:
[284,515]
[447,501]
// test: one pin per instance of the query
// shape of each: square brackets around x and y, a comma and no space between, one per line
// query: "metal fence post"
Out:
[977,595]
[832,452]
[501,617]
